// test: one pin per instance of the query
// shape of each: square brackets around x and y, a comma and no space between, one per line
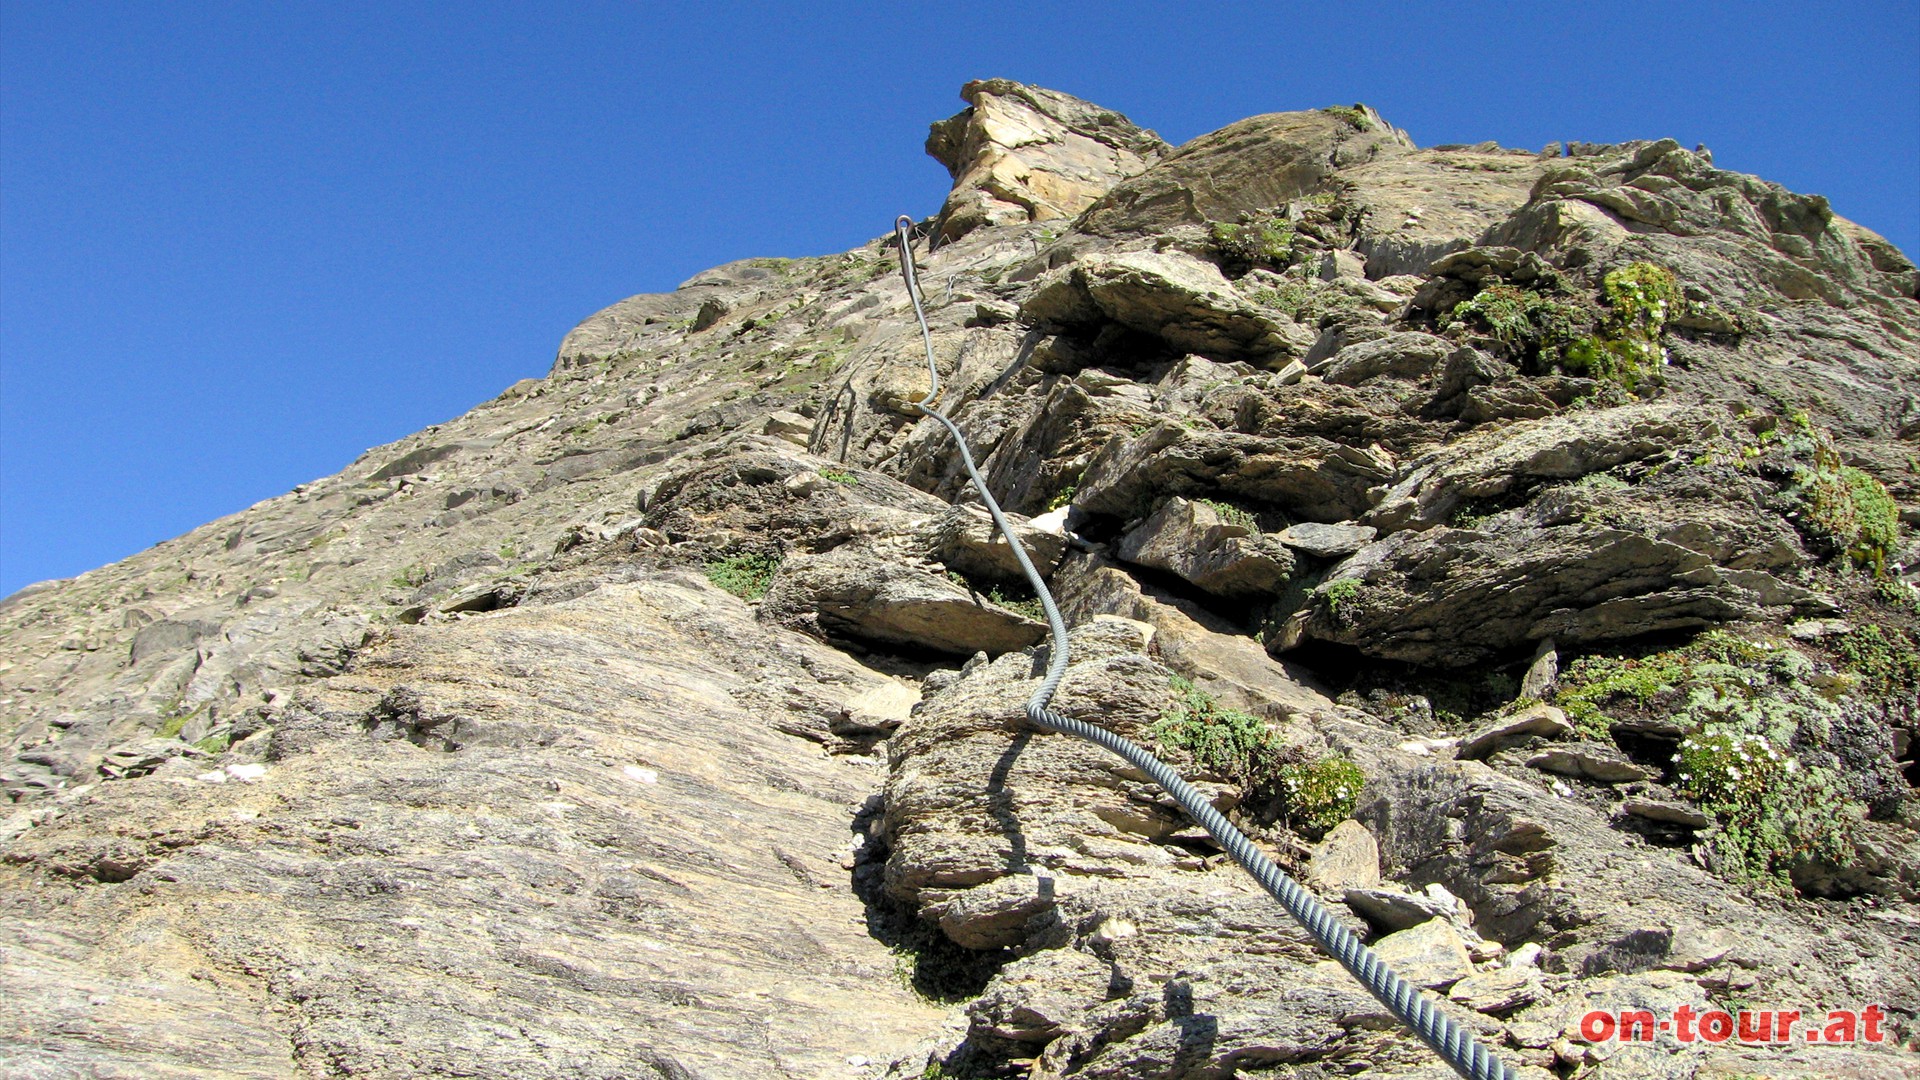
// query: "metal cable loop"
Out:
[1453,1043]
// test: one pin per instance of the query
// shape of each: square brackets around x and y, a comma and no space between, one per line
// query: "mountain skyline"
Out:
[238,250]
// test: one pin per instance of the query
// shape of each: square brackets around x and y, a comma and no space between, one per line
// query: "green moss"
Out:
[1743,704]
[840,476]
[1338,593]
[745,576]
[1886,660]
[1600,481]
[1846,508]
[1320,794]
[1239,746]
[1022,602]
[1226,742]
[1064,497]
[587,427]
[1307,300]
[175,717]
[1898,593]
[329,536]
[1355,115]
[1261,239]
[1620,340]
[1528,325]
[1595,689]
[411,576]
[216,744]
[1629,346]
[1231,514]
[1771,813]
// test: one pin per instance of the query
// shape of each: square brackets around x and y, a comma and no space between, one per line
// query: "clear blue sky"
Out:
[241,243]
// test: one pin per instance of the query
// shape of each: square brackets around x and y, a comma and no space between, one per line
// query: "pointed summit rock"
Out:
[1022,153]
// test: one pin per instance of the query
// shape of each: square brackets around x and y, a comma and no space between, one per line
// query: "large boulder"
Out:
[1182,301]
[854,592]
[965,539]
[1191,540]
[1305,476]
[1492,463]
[974,796]
[1451,597]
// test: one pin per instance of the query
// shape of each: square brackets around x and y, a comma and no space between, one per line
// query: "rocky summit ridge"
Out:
[1519,544]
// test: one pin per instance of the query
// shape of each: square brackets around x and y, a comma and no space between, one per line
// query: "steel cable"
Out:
[1452,1042]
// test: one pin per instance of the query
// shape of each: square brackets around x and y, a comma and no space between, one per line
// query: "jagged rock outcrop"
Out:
[1520,546]
[1024,153]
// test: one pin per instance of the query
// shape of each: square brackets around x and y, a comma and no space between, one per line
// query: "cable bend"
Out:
[1455,1044]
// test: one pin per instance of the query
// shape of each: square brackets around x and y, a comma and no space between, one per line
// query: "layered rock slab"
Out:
[623,870]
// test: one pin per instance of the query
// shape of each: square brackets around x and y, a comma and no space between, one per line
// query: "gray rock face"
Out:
[1430,955]
[636,723]
[1601,764]
[964,539]
[543,899]
[1543,720]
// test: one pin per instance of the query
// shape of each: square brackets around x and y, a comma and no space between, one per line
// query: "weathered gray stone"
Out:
[1589,761]
[1404,356]
[1310,476]
[790,426]
[1546,721]
[964,539]
[1394,909]
[1499,991]
[1346,858]
[1431,954]
[548,833]
[852,592]
[1192,541]
[143,757]
[1672,813]
[1543,675]
[1196,643]
[1502,588]
[1255,164]
[1326,541]
[1182,301]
